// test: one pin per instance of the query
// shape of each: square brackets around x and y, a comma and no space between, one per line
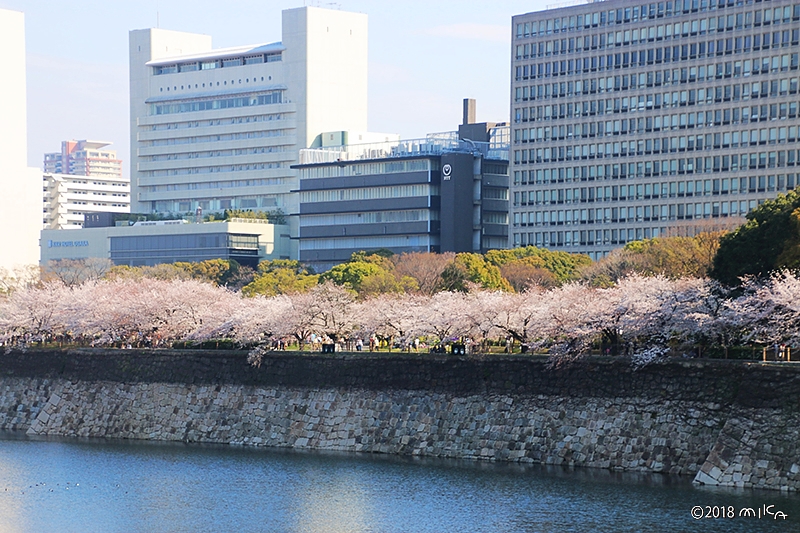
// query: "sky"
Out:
[425,57]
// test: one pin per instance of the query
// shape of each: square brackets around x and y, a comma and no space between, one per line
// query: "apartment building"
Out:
[68,198]
[83,158]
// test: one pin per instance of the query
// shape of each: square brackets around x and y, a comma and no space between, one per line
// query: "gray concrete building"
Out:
[631,119]
[438,194]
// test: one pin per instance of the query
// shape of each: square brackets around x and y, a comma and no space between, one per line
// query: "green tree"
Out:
[564,266]
[352,274]
[470,268]
[767,241]
[281,276]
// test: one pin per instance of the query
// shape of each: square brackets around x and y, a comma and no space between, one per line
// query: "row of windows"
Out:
[604,172]
[494,193]
[216,153]
[370,193]
[368,169]
[374,217]
[188,86]
[648,191]
[661,32]
[730,139]
[650,11]
[772,159]
[215,169]
[259,182]
[608,237]
[217,122]
[666,78]
[637,60]
[642,213]
[217,138]
[651,102]
[217,204]
[368,243]
[193,66]
[494,218]
[272,97]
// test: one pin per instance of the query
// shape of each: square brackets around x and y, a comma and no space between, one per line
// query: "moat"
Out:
[132,486]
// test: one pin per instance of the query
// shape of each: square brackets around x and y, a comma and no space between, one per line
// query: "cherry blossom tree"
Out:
[443,316]
[389,317]
[32,314]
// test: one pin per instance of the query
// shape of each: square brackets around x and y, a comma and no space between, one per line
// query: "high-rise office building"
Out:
[219,128]
[83,158]
[21,198]
[631,118]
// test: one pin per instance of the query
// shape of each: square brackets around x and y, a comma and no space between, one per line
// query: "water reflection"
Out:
[139,486]
[332,501]
[9,506]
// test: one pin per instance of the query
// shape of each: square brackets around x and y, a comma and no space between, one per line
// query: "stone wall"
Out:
[723,422]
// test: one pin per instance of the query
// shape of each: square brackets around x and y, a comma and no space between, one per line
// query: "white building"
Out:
[21,198]
[67,198]
[84,158]
[220,128]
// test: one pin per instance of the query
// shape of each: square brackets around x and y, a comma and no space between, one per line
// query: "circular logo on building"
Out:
[446,171]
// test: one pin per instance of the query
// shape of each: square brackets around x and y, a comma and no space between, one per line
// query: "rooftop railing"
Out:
[432,145]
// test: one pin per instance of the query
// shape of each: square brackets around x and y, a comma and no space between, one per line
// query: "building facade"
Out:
[220,128]
[84,158]
[633,118]
[438,194]
[21,198]
[247,241]
[68,198]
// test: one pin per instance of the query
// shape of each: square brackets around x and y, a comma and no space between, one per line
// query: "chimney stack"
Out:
[469,111]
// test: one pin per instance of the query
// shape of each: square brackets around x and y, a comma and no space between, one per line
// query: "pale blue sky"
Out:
[424,58]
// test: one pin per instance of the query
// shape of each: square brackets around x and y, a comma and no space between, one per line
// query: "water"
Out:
[104,486]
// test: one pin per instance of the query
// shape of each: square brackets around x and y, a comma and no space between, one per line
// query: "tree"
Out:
[73,272]
[32,314]
[352,274]
[163,271]
[331,307]
[563,265]
[677,257]
[470,268]
[19,278]
[425,268]
[767,242]
[443,316]
[389,317]
[281,276]
[523,273]
[369,275]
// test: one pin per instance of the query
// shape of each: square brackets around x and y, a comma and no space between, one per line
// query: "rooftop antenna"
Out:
[158,16]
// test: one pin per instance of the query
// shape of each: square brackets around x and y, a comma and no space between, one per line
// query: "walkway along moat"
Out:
[722,422]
